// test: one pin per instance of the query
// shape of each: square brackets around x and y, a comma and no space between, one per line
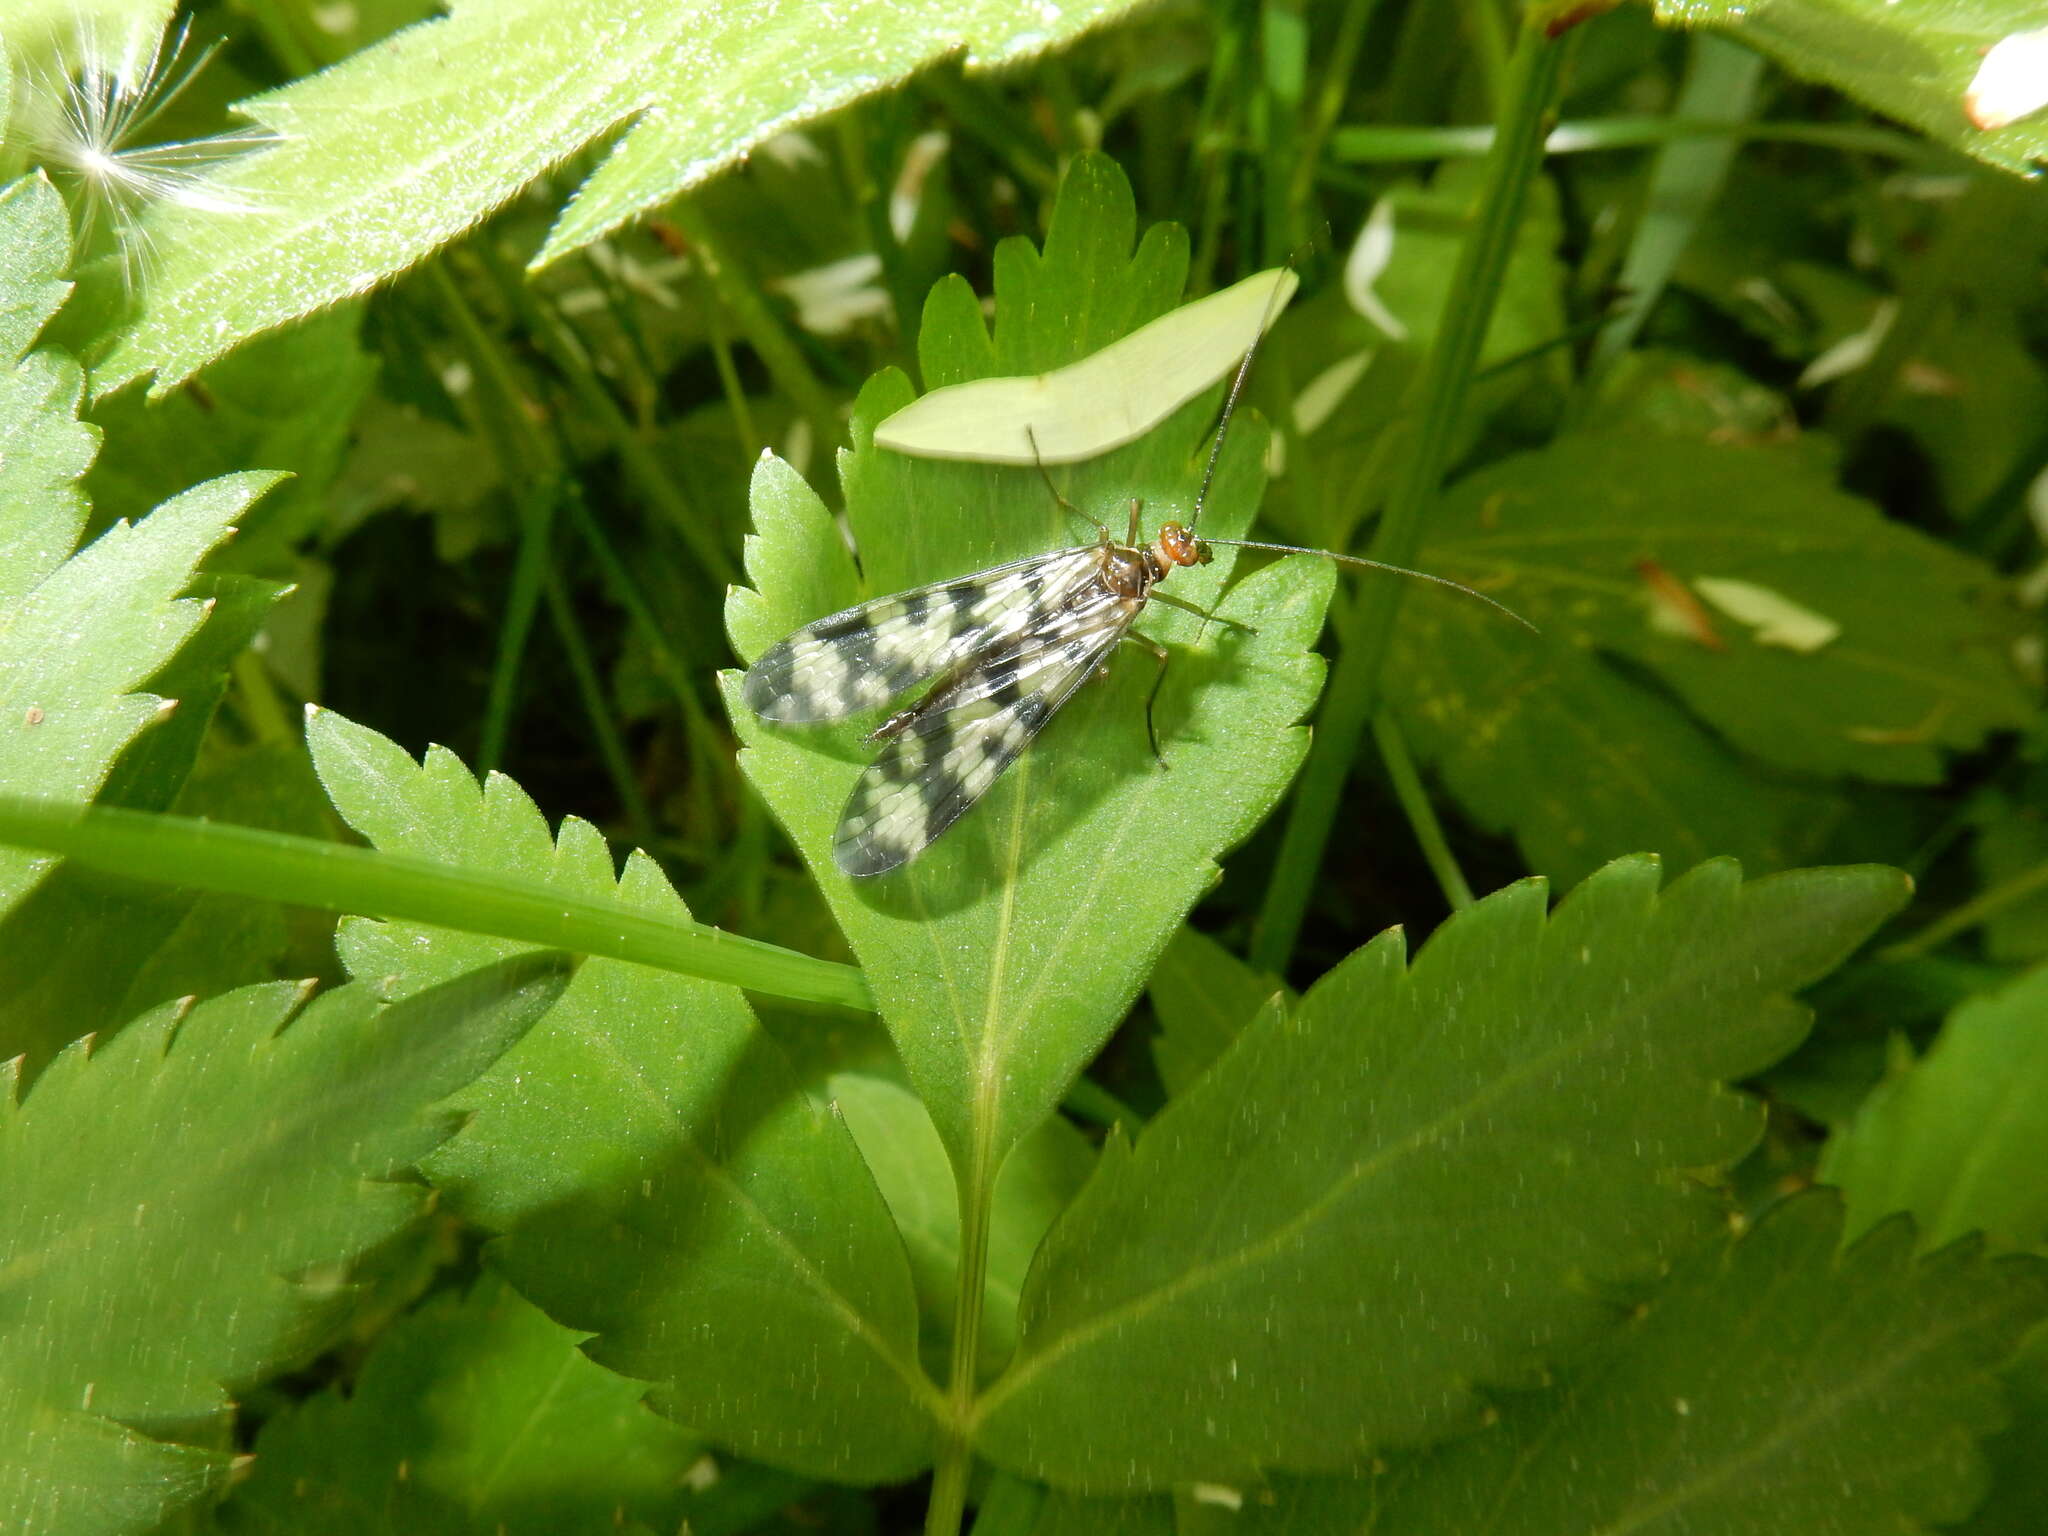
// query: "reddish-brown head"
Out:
[1177,546]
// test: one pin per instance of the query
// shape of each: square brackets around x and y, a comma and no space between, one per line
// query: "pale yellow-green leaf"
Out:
[1110,397]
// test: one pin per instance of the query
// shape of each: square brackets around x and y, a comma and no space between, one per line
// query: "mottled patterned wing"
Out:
[953,745]
[863,657]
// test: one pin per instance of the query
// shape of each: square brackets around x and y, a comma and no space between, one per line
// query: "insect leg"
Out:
[1162,656]
[1184,606]
[1046,475]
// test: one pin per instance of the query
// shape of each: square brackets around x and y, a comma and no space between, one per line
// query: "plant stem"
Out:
[749,436]
[532,470]
[1329,101]
[1283,86]
[1209,152]
[604,730]
[781,356]
[284,43]
[625,591]
[956,1455]
[711,761]
[867,156]
[256,695]
[1422,820]
[1354,685]
[1395,142]
[212,856]
[1489,38]
[532,465]
[1688,175]
[566,351]
[975,109]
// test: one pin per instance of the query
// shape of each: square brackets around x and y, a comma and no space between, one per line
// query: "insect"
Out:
[1002,649]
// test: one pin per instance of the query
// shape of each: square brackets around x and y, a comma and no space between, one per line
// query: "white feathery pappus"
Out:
[1002,650]
[88,99]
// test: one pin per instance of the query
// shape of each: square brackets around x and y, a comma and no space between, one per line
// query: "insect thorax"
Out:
[1130,573]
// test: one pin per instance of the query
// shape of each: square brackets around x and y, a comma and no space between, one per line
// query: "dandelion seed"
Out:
[86,118]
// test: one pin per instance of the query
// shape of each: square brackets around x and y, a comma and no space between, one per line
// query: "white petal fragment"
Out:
[1773,618]
[1107,399]
[1852,351]
[1326,391]
[2011,83]
[1370,254]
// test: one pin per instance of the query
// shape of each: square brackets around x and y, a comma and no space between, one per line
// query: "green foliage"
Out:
[1470,1209]
[1038,1181]
[1587,538]
[1913,61]
[1204,996]
[1109,1167]
[646,1144]
[371,172]
[441,1431]
[1920,661]
[72,708]
[1777,1383]
[184,1204]
[1958,1138]
[288,400]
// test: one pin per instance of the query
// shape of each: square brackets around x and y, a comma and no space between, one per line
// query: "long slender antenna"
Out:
[1236,388]
[1381,565]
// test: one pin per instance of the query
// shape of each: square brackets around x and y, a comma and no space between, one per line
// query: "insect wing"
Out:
[957,743]
[862,657]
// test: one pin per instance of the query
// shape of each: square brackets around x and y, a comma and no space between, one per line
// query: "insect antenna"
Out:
[1380,565]
[1237,388]
[1216,453]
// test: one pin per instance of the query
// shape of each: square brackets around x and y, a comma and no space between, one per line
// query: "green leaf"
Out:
[1070,1514]
[1959,1139]
[286,403]
[439,1431]
[182,1204]
[47,449]
[1650,390]
[1037,1182]
[1004,956]
[1580,761]
[2019,1472]
[78,633]
[398,150]
[1913,60]
[1204,997]
[1922,662]
[1862,1014]
[1975,397]
[1423,1180]
[1107,399]
[1776,1384]
[659,1178]
[35,248]
[2011,851]
[74,650]
[83,954]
